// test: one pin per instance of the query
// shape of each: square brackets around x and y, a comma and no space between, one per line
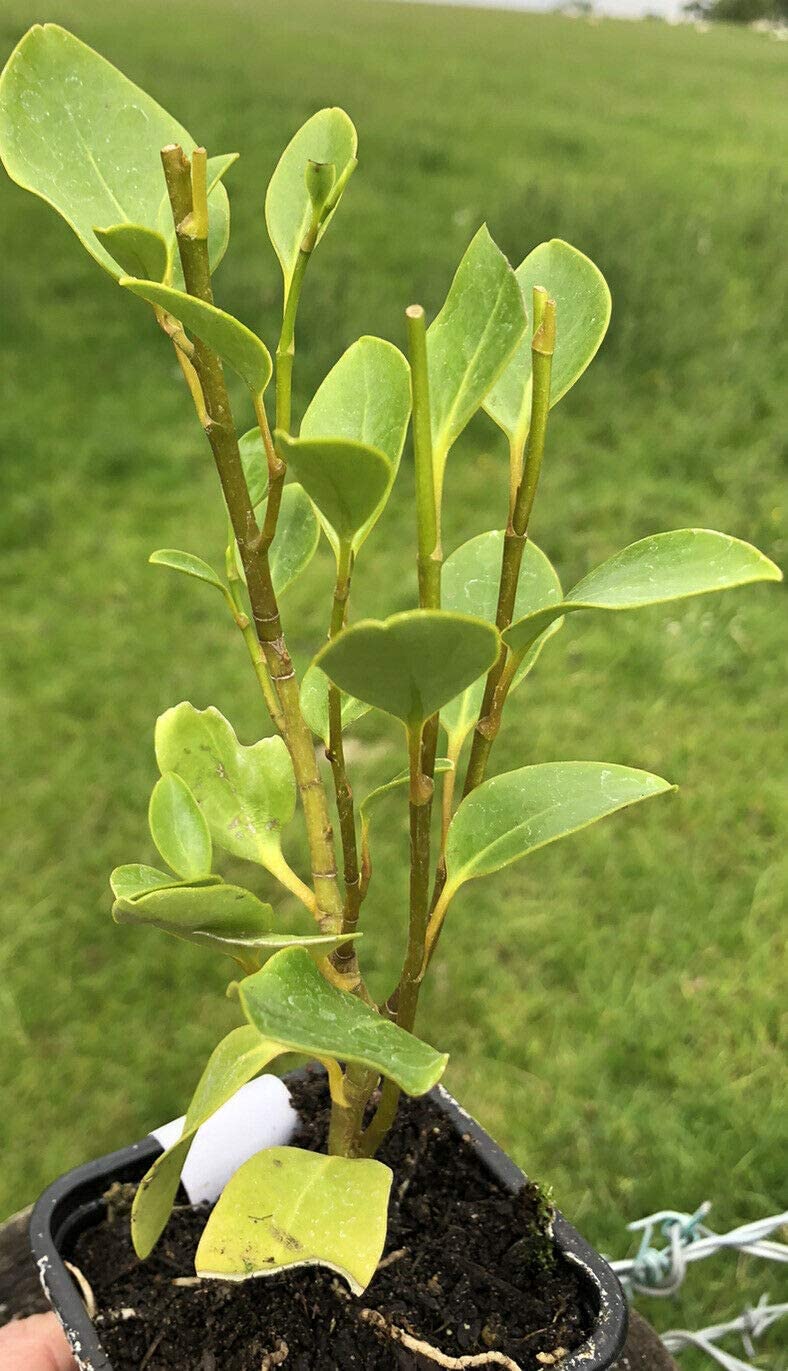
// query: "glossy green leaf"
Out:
[226,918]
[328,138]
[255,464]
[179,829]
[77,133]
[347,481]
[656,570]
[470,341]
[127,882]
[516,813]
[228,337]
[186,563]
[364,398]
[582,316]
[314,704]
[287,1207]
[290,1002]
[237,1059]
[471,576]
[247,794]
[138,251]
[295,541]
[411,664]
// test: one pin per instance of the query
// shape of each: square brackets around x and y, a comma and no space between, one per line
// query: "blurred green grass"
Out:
[613,1009]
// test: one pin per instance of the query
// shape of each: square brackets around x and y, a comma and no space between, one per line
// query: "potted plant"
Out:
[477,1269]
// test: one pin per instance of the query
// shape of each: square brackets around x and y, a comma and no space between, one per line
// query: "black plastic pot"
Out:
[74,1203]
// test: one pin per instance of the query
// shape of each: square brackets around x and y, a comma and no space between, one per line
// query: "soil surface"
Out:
[468,1269]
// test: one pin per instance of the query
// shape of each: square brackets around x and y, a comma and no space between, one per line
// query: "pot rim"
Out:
[74,1202]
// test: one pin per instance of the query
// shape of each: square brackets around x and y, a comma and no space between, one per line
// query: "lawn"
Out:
[612,1009]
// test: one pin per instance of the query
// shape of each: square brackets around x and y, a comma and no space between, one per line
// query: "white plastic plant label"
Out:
[259,1115]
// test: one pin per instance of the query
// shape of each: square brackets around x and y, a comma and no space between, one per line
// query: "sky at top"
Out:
[621,9]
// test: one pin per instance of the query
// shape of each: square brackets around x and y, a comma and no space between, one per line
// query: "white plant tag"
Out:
[259,1115]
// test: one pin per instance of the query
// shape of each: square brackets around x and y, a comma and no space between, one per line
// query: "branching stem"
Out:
[222,436]
[542,348]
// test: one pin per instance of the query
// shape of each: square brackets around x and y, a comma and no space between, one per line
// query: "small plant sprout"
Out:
[152,209]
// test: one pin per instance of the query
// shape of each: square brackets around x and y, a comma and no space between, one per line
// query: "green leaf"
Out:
[236,1059]
[179,829]
[411,664]
[286,1207]
[77,133]
[314,704]
[364,398]
[290,1002]
[582,316]
[138,251]
[347,481]
[656,570]
[471,576]
[470,341]
[511,815]
[224,917]
[295,541]
[327,138]
[233,341]
[255,464]
[127,882]
[186,563]
[247,794]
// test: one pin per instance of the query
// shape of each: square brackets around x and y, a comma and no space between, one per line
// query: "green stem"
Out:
[406,996]
[222,436]
[336,756]
[253,647]
[542,348]
[277,471]
[285,350]
[430,556]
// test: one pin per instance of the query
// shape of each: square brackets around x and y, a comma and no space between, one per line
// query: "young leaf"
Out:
[347,481]
[583,314]
[469,585]
[77,133]
[186,563]
[255,464]
[138,251]
[295,541]
[470,342]
[514,814]
[233,341]
[364,398]
[224,917]
[290,1002]
[127,882]
[655,570]
[328,138]
[314,704]
[247,794]
[411,664]
[286,1207]
[236,1059]
[179,829]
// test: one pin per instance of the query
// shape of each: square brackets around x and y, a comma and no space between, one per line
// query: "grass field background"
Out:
[612,1009]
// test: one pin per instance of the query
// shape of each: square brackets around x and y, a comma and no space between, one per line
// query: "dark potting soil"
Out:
[468,1268]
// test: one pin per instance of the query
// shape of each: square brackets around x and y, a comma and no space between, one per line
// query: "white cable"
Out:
[660,1271]
[750,1325]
